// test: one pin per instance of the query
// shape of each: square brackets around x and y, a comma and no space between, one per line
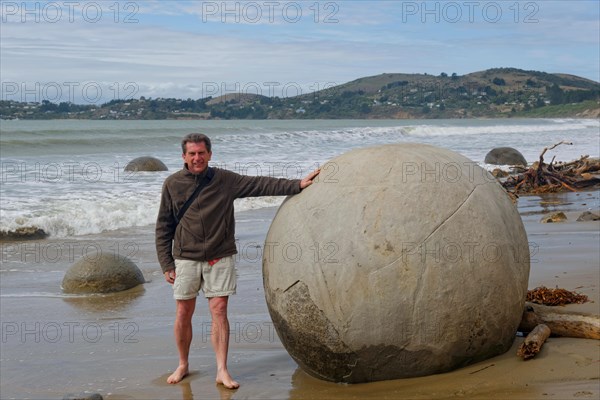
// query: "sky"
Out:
[95,51]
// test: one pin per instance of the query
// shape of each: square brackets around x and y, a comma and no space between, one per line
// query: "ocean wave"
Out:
[402,129]
[432,130]
[75,217]
[69,182]
[253,203]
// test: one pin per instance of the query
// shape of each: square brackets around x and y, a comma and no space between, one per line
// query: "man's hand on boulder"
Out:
[308,180]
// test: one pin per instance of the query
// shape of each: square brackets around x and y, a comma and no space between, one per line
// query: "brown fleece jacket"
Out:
[207,229]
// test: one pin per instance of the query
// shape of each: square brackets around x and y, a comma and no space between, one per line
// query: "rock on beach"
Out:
[102,273]
[146,164]
[588,216]
[505,156]
[24,233]
[382,272]
[556,217]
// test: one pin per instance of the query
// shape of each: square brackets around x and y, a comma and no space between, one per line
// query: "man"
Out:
[195,247]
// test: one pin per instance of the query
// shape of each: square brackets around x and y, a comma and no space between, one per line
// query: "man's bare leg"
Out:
[220,339]
[183,337]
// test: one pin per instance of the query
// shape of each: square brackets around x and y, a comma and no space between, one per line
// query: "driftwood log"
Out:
[533,342]
[560,322]
[554,177]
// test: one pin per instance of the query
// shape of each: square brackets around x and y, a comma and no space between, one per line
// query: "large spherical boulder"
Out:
[102,273]
[505,156]
[402,260]
[146,164]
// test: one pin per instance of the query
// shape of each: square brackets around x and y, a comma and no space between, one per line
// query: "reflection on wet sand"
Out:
[219,391]
[94,303]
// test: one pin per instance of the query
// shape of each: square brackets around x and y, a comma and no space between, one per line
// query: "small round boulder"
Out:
[401,260]
[505,156]
[146,164]
[102,273]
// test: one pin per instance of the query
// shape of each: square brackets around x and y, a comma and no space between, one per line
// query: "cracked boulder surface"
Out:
[402,260]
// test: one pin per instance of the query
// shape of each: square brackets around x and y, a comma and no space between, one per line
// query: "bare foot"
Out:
[180,373]
[226,380]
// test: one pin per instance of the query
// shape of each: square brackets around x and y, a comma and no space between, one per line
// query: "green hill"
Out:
[497,92]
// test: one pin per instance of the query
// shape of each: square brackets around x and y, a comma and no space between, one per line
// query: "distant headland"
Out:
[493,93]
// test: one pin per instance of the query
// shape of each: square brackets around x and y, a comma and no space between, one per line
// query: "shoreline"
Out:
[130,334]
[387,118]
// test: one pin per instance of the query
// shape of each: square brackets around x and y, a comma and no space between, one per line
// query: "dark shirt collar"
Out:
[199,176]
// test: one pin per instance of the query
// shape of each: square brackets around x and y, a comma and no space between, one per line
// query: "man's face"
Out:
[196,157]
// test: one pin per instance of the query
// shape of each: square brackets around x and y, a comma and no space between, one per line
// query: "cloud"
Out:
[172,49]
[154,58]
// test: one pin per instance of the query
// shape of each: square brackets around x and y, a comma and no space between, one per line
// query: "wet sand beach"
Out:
[122,346]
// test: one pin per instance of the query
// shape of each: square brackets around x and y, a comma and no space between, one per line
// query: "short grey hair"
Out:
[196,138]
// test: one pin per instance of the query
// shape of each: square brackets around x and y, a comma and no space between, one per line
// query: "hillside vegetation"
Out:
[498,92]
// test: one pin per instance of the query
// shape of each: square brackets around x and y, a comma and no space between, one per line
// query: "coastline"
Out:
[129,334]
[586,114]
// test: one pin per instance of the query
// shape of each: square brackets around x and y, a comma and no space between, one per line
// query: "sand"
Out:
[121,346]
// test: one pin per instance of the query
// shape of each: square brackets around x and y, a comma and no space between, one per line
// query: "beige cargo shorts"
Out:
[215,280]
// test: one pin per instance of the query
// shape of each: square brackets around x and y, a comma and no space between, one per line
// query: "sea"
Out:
[68,177]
